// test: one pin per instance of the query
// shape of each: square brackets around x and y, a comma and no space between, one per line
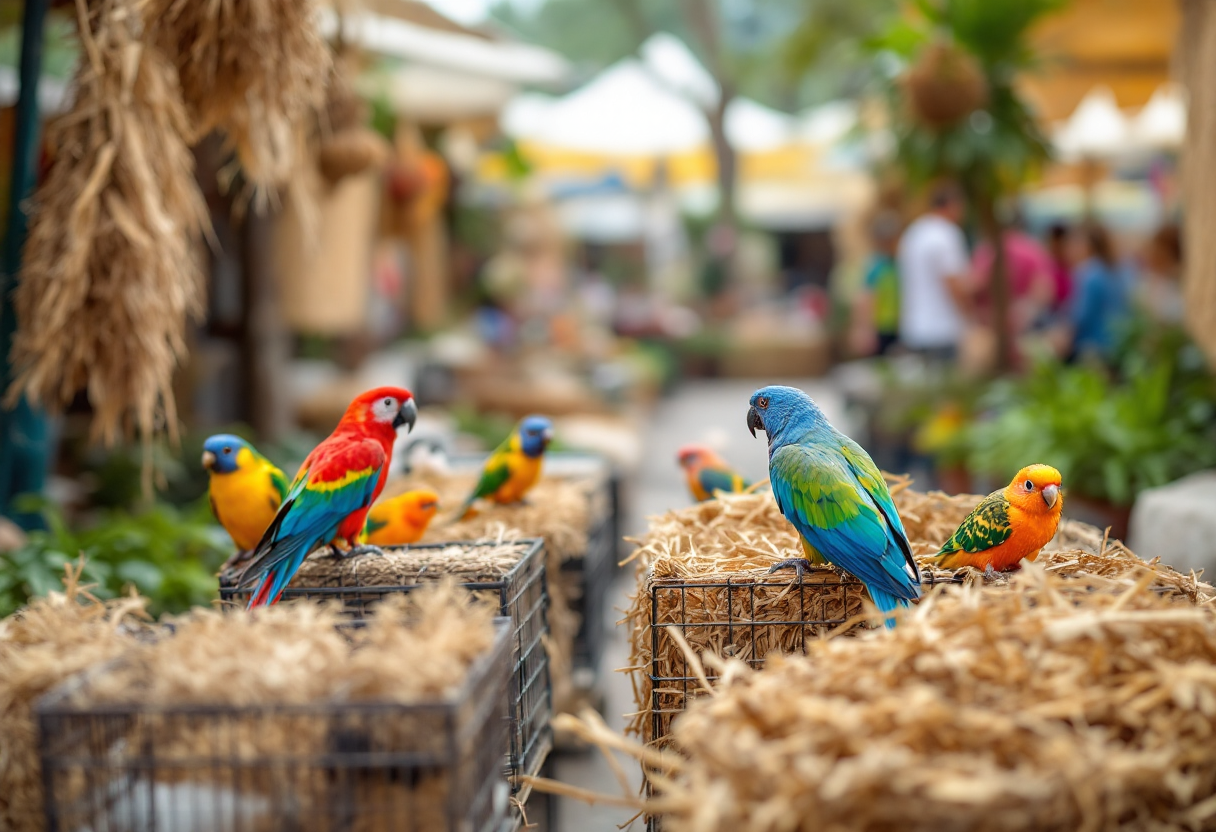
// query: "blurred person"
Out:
[1159,292]
[935,295]
[1060,251]
[876,311]
[1102,296]
[1028,271]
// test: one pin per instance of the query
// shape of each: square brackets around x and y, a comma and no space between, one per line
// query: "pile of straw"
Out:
[416,647]
[255,69]
[40,646]
[1048,707]
[406,567]
[111,269]
[563,511]
[689,554]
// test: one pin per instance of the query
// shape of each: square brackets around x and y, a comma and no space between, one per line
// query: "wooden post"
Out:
[265,341]
[1198,42]
[24,440]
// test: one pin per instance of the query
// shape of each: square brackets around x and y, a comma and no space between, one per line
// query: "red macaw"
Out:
[330,497]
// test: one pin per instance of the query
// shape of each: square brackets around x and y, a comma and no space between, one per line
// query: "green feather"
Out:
[984,528]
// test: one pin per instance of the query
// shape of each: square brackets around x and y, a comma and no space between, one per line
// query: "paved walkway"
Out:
[712,412]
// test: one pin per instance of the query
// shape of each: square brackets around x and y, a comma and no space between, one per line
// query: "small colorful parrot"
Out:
[514,467]
[330,497]
[246,490]
[835,496]
[402,519]
[707,472]
[1008,525]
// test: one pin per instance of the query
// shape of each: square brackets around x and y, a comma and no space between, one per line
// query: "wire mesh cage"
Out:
[511,573]
[590,577]
[744,618]
[323,767]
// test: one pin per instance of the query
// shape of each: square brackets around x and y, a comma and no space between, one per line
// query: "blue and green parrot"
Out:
[835,496]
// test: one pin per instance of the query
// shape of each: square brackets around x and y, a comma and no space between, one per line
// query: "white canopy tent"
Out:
[1161,124]
[1097,129]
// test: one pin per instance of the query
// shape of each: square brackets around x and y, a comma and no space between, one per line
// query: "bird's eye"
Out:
[388,402]
[1029,485]
[227,450]
[762,401]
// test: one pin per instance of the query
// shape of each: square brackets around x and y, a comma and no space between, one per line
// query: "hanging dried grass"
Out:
[111,268]
[255,69]
[43,644]
[703,579]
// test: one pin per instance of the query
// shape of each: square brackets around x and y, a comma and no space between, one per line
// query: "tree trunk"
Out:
[727,160]
[265,341]
[998,284]
[1198,50]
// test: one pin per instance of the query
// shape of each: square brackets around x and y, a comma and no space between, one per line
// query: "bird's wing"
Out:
[826,502]
[334,482]
[495,472]
[871,479]
[279,480]
[718,479]
[986,527]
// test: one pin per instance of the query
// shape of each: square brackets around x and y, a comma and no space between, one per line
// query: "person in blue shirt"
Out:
[1101,296]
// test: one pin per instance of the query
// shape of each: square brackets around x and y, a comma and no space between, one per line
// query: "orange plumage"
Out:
[403,519]
[1008,525]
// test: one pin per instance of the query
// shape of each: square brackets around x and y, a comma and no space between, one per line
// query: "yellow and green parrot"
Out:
[514,467]
[246,489]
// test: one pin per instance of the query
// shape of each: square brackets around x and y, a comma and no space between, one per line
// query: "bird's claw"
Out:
[799,565]
[356,551]
[990,574]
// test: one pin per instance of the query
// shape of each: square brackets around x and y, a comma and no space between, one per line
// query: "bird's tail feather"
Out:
[286,562]
[887,604]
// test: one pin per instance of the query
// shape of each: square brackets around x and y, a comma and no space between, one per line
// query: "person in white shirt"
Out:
[933,269]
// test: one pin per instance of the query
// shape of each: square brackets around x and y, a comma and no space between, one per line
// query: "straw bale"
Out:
[687,557]
[40,646]
[563,511]
[415,648]
[111,267]
[487,561]
[255,69]
[1049,707]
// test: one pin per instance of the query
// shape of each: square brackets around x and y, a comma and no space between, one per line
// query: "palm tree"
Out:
[989,148]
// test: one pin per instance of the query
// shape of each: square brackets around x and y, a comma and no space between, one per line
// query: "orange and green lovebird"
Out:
[402,519]
[1008,525]
[707,472]
[245,488]
[514,467]
[330,497]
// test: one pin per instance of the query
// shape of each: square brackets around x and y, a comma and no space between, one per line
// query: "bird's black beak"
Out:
[407,415]
[754,421]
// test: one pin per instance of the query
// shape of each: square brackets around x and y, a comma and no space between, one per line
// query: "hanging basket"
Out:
[352,152]
[944,85]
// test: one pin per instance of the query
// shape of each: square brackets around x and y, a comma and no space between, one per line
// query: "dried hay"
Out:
[416,648]
[40,646]
[562,510]
[705,569]
[1051,705]
[256,69]
[111,268]
[488,561]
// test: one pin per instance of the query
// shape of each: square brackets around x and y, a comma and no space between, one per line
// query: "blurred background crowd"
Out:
[968,216]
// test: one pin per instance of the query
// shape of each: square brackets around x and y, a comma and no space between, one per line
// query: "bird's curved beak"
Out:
[208,460]
[754,421]
[1051,493]
[407,415]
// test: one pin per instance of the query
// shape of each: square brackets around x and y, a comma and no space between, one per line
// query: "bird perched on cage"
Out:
[1009,525]
[514,467]
[827,486]
[706,473]
[245,488]
[402,519]
[330,497]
